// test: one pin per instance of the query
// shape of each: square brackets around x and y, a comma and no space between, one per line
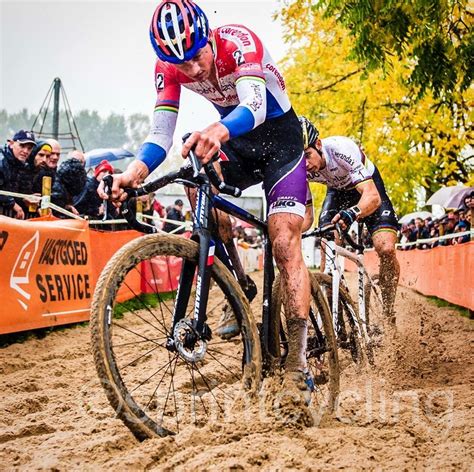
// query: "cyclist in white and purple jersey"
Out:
[355,191]
[258,136]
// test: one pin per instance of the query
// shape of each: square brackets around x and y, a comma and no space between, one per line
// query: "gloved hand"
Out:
[347,216]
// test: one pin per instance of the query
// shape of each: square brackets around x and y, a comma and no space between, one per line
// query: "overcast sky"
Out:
[102,53]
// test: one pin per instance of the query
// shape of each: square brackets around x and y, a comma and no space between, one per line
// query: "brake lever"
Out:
[195,162]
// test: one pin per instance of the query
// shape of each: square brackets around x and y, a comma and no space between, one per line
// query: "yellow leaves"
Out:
[412,142]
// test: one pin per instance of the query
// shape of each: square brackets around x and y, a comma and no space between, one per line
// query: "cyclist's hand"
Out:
[206,143]
[131,178]
[345,218]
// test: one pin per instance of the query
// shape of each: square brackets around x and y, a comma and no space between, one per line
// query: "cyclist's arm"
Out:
[369,202]
[369,198]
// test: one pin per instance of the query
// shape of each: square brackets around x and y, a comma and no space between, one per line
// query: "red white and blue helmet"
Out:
[179,28]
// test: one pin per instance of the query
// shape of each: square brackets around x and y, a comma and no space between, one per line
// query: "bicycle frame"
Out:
[331,251]
[210,245]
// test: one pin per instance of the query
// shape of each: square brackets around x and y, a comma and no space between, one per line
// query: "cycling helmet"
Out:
[179,28]
[310,132]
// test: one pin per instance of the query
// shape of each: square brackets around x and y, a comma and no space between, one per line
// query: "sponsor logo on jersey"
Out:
[257,99]
[284,202]
[243,39]
[251,66]
[277,74]
[344,157]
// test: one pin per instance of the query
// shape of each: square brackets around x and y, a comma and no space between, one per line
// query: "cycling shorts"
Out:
[272,153]
[384,218]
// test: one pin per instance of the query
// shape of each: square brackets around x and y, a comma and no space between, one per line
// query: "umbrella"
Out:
[449,197]
[457,199]
[416,214]
[95,156]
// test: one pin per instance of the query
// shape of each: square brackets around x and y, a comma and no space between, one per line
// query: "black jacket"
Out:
[69,183]
[176,215]
[15,176]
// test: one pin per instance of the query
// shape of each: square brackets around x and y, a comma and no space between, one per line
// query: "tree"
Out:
[418,144]
[435,35]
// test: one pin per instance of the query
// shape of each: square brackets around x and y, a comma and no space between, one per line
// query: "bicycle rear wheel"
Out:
[157,389]
[349,330]
[321,352]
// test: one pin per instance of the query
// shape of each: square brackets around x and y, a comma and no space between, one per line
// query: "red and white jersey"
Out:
[250,87]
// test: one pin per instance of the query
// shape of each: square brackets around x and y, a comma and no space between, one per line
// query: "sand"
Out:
[413,410]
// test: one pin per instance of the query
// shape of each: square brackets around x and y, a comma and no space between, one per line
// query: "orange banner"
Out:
[104,244]
[445,272]
[45,278]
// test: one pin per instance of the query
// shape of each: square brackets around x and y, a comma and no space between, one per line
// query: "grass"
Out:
[137,303]
[463,311]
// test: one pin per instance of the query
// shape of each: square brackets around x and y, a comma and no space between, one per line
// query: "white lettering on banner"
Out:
[21,269]
[243,39]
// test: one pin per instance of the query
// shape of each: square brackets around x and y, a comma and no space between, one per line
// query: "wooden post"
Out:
[46,193]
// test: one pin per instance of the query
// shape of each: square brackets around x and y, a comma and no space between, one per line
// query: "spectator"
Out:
[421,232]
[37,162]
[15,173]
[79,155]
[461,227]
[88,202]
[69,183]
[175,214]
[406,235]
[53,159]
[158,211]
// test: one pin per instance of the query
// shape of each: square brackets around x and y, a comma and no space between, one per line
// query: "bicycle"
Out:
[155,353]
[358,327]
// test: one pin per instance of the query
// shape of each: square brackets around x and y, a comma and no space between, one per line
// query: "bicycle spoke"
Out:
[138,342]
[136,334]
[162,301]
[168,394]
[221,364]
[142,356]
[213,349]
[152,375]
[210,390]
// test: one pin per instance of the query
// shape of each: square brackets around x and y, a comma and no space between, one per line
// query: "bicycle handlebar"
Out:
[186,172]
[322,230]
[211,173]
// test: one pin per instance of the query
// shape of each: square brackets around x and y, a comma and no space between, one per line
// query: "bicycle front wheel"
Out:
[321,350]
[349,329]
[156,385]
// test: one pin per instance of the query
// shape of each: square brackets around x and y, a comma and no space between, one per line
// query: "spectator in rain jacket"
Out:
[15,173]
[38,164]
[88,202]
[70,181]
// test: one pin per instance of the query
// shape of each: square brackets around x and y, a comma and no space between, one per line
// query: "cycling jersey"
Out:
[346,165]
[250,90]
[346,168]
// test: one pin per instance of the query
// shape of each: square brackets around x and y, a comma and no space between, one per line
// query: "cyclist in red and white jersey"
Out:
[355,191]
[258,135]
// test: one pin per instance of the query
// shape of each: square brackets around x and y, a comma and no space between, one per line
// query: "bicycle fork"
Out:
[185,335]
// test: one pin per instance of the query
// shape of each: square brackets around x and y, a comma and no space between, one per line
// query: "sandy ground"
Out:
[415,410]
